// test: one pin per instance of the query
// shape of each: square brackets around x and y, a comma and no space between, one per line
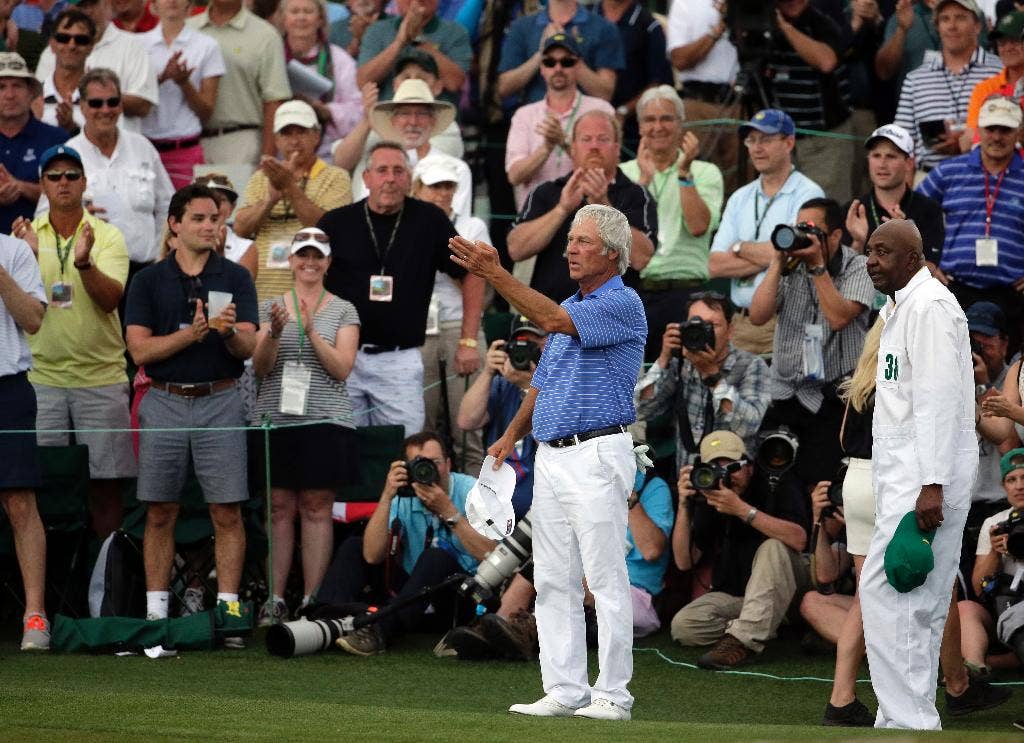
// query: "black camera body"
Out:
[787,237]
[521,353]
[1013,528]
[709,476]
[421,470]
[697,335]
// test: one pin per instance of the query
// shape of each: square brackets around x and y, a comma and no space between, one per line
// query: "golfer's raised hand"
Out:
[479,258]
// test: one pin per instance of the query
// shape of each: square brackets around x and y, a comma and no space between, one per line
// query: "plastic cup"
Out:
[215,304]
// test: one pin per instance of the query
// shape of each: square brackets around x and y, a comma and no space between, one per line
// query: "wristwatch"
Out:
[816,270]
[468,342]
[451,521]
[981,389]
[736,247]
[750,516]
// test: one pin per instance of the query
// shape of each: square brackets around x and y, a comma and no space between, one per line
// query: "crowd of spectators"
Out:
[362,137]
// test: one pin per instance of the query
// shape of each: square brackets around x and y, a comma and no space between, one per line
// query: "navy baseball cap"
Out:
[59,150]
[565,41]
[770,121]
[986,318]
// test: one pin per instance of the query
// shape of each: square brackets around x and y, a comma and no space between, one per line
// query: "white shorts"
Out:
[858,506]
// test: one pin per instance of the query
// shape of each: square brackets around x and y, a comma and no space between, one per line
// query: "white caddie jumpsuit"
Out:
[923,433]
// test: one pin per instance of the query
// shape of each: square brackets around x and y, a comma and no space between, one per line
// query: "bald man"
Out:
[925,457]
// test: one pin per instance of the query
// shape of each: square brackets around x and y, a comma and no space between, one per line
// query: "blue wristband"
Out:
[686,182]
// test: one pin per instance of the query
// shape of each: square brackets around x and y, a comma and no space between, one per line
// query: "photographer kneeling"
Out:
[703,379]
[420,532]
[998,568]
[494,398]
[752,524]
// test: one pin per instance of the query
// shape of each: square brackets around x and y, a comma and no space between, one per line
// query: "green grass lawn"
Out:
[407,694]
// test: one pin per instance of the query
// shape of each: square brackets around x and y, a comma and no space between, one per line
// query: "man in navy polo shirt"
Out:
[597,39]
[578,406]
[23,138]
[194,361]
[982,196]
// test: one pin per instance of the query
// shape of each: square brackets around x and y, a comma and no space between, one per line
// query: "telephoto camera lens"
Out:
[777,450]
[302,637]
[501,563]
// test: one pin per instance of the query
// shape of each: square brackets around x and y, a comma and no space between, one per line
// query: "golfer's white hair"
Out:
[612,228]
[661,93]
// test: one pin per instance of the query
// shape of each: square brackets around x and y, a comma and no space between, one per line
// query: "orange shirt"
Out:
[997,84]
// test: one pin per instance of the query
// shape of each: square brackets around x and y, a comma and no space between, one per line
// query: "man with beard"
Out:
[542,227]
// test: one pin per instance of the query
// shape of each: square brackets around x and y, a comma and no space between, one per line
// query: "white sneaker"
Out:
[603,709]
[547,706]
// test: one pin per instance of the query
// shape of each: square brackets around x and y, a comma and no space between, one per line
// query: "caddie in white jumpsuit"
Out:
[925,458]
[578,406]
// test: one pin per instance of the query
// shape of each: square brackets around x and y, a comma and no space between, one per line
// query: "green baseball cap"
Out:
[1012,460]
[909,558]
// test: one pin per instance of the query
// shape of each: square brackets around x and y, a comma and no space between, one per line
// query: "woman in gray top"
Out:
[305,349]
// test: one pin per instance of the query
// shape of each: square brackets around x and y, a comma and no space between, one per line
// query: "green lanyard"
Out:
[63,251]
[298,316]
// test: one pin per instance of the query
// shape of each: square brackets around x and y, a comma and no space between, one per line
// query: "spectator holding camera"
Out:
[999,613]
[821,292]
[752,528]
[706,381]
[420,533]
[304,351]
[493,399]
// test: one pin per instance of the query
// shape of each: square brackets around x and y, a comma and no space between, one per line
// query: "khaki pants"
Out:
[466,458]
[828,161]
[777,575]
[237,147]
[718,144]
[757,339]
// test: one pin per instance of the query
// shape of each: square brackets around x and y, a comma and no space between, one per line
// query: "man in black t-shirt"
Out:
[753,531]
[193,413]
[807,80]
[890,151]
[386,250]
[541,230]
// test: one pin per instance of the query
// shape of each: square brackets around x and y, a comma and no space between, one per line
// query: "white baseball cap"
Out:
[489,514]
[311,237]
[895,134]
[435,169]
[296,112]
[1000,111]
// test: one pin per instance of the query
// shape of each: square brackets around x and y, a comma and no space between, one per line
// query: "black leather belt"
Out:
[167,145]
[230,129]
[707,92]
[579,438]
[372,350]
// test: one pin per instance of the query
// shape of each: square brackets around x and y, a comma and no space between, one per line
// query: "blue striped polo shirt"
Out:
[958,184]
[587,382]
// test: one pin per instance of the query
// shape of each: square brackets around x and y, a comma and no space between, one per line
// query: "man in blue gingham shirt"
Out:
[579,402]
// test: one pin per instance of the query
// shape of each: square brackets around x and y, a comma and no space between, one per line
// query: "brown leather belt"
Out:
[194,389]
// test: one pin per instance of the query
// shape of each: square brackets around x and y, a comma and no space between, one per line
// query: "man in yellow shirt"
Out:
[78,354]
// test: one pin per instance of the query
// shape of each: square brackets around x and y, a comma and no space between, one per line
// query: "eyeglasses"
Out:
[309,236]
[80,39]
[112,102]
[564,62]
[755,140]
[55,175]
[414,113]
[698,296]
[14,65]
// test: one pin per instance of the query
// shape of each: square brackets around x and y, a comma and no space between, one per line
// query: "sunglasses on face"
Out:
[563,62]
[717,296]
[112,102]
[14,65]
[309,236]
[55,175]
[65,38]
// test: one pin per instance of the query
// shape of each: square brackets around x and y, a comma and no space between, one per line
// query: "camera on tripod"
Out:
[798,236]
[421,470]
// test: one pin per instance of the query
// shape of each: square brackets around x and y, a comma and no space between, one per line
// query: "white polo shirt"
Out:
[125,54]
[132,186]
[50,100]
[173,119]
[17,259]
[688,20]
